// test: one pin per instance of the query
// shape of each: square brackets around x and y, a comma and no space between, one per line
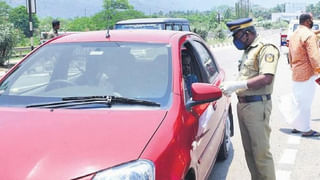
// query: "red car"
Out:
[125,105]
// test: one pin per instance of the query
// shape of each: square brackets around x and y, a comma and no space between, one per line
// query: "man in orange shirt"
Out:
[304,57]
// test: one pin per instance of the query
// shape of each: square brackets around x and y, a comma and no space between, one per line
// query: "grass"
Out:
[10,62]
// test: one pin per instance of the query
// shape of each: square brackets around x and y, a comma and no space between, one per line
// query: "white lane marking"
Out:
[289,156]
[294,140]
[283,175]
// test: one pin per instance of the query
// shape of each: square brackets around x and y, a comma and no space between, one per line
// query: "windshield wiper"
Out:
[84,100]
[113,100]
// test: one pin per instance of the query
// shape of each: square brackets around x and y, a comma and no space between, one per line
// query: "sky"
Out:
[74,8]
[208,4]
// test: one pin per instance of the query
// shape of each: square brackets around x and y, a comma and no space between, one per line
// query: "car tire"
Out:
[226,143]
[231,121]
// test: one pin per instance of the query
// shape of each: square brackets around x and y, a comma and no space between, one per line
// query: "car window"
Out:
[177,24]
[168,27]
[133,70]
[185,27]
[177,27]
[37,74]
[138,26]
[315,27]
[206,60]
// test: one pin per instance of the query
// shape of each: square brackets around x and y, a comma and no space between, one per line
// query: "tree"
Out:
[279,8]
[314,9]
[114,11]
[82,24]
[242,8]
[261,13]
[116,4]
[20,19]
[228,14]
[7,41]
[112,7]
[4,12]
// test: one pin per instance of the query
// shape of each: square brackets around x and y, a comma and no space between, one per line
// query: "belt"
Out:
[248,99]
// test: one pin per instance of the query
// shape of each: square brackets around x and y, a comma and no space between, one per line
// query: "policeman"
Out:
[253,88]
[55,27]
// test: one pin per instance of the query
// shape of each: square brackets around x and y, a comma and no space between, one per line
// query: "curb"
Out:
[2,73]
[219,45]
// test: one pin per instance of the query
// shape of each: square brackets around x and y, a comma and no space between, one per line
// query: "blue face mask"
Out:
[238,43]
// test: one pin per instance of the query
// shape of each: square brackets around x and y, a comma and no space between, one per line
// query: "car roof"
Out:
[296,21]
[155,36]
[154,20]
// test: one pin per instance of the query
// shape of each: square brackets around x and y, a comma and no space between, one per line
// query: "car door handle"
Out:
[196,142]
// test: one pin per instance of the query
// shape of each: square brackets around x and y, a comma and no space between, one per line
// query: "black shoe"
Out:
[311,133]
[295,131]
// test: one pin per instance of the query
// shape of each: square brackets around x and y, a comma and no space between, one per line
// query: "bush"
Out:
[280,24]
[220,33]
[7,41]
[272,25]
[202,33]
[267,25]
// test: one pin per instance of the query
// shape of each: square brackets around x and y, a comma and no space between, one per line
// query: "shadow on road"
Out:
[288,131]
[221,168]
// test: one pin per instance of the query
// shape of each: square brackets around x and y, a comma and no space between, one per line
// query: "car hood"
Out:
[65,144]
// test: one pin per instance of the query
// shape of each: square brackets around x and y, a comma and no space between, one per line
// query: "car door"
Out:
[209,115]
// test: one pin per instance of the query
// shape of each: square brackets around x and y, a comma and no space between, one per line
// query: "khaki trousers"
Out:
[255,134]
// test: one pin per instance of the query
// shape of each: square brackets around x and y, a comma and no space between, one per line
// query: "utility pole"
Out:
[242,8]
[31,8]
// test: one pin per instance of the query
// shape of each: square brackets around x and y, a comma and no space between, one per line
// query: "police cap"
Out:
[236,25]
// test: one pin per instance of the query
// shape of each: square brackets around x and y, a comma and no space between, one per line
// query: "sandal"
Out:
[295,131]
[311,133]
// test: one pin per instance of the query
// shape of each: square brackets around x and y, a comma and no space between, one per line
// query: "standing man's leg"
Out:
[255,118]
[303,93]
[246,141]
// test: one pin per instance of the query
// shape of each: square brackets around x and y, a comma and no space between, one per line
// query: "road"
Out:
[295,158]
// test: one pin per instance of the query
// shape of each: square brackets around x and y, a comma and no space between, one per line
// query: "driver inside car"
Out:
[188,76]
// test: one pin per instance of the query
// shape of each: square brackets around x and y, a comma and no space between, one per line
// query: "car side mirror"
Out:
[203,93]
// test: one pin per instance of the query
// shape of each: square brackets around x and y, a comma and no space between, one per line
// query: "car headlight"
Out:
[136,170]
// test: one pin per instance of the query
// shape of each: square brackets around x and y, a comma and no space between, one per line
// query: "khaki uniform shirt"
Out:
[259,58]
[304,54]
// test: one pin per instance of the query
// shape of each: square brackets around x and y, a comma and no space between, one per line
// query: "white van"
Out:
[295,23]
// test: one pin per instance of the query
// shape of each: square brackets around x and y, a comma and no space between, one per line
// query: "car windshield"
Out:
[130,70]
[314,27]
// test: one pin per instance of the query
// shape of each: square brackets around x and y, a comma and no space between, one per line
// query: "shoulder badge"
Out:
[269,58]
